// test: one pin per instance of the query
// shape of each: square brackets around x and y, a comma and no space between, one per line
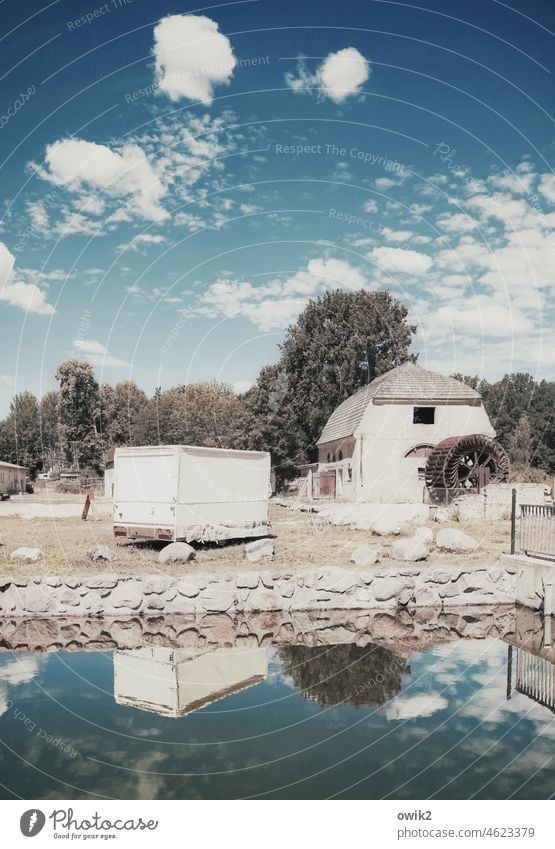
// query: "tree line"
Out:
[340,342]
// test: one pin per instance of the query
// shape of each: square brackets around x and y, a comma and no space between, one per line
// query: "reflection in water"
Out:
[471,716]
[535,678]
[173,682]
[334,675]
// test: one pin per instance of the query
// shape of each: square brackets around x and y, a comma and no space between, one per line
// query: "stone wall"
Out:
[404,631]
[494,501]
[198,593]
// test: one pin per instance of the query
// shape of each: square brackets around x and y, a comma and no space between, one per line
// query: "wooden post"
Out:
[87,506]
[509,671]
[513,521]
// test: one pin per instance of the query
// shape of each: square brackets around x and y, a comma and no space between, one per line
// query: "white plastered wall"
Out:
[387,433]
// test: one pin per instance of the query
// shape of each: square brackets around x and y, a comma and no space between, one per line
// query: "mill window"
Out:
[423,415]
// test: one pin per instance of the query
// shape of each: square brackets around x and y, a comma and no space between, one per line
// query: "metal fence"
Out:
[537,530]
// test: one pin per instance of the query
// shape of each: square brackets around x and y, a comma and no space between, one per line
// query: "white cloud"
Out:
[457,223]
[547,187]
[191,57]
[19,671]
[27,296]
[140,240]
[276,304]
[96,353]
[76,164]
[339,76]
[39,217]
[400,260]
[396,235]
[410,707]
[370,206]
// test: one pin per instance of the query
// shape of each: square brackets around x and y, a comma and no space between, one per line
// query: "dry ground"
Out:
[303,541]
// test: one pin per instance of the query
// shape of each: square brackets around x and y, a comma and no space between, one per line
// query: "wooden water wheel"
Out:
[465,463]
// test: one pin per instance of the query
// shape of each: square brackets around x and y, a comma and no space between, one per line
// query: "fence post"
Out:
[513,521]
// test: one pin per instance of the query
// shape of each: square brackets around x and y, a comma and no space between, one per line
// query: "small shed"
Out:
[12,477]
[375,445]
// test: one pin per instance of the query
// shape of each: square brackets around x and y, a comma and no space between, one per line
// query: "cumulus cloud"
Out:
[276,304]
[401,261]
[340,75]
[192,56]
[96,353]
[18,293]
[423,704]
[140,240]
[76,165]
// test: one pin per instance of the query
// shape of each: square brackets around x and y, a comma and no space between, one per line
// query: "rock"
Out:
[425,534]
[176,552]
[451,539]
[102,582]
[126,595]
[247,580]
[389,587]
[259,548]
[217,600]
[98,552]
[156,584]
[386,525]
[410,548]
[188,588]
[28,555]
[365,555]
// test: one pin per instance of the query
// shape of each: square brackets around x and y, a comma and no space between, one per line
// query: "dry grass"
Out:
[303,541]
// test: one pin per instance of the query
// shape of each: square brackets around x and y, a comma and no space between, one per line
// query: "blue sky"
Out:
[176,181]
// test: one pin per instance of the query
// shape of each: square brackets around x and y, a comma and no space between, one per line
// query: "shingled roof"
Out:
[408,382]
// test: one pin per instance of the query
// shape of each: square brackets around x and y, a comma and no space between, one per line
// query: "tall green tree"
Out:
[50,442]
[20,438]
[123,409]
[340,342]
[267,422]
[208,414]
[520,443]
[79,414]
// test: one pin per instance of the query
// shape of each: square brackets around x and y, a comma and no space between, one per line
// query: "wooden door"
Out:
[327,484]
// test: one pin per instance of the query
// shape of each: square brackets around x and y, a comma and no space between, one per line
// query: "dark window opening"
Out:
[340,455]
[423,415]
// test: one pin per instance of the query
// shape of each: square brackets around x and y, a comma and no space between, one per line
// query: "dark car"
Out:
[4,496]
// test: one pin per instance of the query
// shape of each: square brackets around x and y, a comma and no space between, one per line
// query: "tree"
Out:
[79,414]
[340,342]
[48,413]
[268,423]
[209,414]
[123,408]
[345,674]
[520,443]
[20,440]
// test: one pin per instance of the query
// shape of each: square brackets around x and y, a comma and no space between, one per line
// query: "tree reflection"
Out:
[344,674]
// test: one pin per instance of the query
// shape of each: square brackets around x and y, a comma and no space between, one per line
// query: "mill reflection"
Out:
[174,682]
[345,674]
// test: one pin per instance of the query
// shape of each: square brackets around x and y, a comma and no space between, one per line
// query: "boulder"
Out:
[365,555]
[410,548]
[28,555]
[259,548]
[425,534]
[98,552]
[451,539]
[386,525]
[176,552]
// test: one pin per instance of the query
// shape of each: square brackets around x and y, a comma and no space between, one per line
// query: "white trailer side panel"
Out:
[145,490]
[223,494]
[184,492]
